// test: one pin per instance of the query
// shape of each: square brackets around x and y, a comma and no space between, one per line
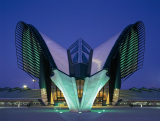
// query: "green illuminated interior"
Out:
[129,53]
[30,53]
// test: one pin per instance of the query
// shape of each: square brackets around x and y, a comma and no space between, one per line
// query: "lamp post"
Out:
[34,83]
[24,86]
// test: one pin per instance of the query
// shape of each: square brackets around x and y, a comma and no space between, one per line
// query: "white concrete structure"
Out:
[59,54]
[101,53]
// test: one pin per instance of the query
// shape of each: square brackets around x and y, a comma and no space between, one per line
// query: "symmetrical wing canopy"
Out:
[128,45]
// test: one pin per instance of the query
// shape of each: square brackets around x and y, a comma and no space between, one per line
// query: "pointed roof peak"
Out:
[80,40]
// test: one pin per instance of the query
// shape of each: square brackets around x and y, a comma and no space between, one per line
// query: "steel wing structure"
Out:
[80,71]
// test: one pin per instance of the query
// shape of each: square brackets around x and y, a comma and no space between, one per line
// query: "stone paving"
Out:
[102,114]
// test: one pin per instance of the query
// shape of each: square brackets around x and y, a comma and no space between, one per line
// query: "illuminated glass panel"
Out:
[75,59]
[75,49]
[85,44]
[74,44]
[85,50]
[84,59]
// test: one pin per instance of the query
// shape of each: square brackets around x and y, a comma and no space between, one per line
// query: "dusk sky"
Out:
[65,21]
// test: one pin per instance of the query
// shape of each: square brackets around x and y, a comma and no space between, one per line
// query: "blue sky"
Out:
[95,21]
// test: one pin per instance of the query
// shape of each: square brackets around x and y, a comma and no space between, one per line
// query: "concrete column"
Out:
[19,104]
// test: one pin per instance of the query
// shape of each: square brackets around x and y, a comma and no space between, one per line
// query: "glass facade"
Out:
[80,85]
[57,97]
[59,100]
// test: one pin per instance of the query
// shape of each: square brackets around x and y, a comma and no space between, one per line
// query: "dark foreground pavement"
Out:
[105,114]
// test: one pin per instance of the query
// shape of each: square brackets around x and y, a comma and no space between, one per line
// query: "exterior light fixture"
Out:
[24,86]
[80,112]
[56,110]
[34,83]
[99,112]
[103,110]
[60,112]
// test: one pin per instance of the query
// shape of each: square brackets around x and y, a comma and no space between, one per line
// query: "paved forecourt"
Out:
[63,114]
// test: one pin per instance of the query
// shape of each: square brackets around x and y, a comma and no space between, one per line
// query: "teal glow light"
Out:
[69,89]
[92,86]
[107,110]
[103,110]
[99,112]
[80,112]
[60,112]
[31,53]
[53,111]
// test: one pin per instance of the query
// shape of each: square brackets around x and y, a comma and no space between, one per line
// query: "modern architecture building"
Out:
[80,76]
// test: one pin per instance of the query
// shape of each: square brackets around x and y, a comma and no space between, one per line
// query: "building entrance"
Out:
[57,97]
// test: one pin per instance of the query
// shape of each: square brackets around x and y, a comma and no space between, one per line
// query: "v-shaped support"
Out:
[68,86]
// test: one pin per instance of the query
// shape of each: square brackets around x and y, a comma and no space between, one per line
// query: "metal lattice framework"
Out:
[28,50]
[75,54]
[132,50]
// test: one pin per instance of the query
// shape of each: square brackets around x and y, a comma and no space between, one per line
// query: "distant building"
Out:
[80,76]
